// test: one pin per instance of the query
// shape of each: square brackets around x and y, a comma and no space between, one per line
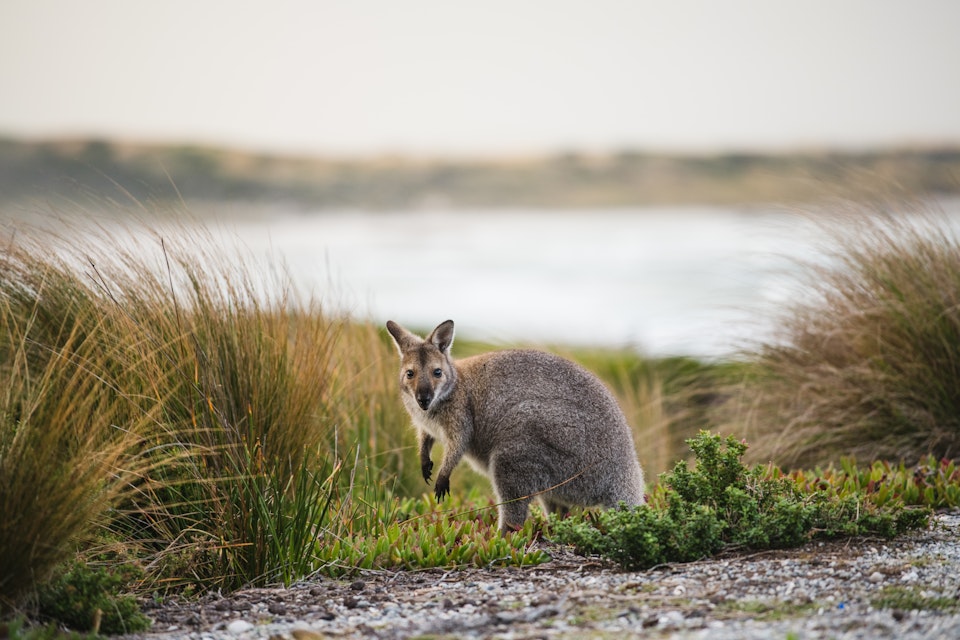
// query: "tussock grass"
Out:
[257,408]
[185,393]
[868,365]
[67,456]
[177,404]
[243,378]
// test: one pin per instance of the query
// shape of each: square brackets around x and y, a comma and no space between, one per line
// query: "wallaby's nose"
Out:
[424,398]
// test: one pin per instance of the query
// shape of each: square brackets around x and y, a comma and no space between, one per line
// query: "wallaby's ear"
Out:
[442,336]
[404,339]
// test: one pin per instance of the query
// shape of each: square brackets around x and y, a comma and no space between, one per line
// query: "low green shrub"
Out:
[87,598]
[19,628]
[722,504]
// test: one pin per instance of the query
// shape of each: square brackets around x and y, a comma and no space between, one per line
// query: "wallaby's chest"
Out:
[424,422]
[445,423]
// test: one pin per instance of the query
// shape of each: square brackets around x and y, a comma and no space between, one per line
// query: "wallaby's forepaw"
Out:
[426,469]
[442,488]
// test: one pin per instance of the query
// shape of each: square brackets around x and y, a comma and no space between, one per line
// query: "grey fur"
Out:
[536,424]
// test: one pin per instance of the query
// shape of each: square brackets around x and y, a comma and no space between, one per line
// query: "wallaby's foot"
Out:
[427,470]
[442,488]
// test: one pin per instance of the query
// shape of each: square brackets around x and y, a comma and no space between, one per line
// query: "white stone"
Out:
[239,626]
[670,618]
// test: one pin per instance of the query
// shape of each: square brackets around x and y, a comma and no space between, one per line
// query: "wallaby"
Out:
[537,425]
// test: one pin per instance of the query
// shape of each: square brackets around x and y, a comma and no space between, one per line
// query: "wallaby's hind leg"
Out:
[513,513]
[513,494]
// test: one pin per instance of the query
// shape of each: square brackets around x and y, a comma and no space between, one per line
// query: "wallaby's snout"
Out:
[424,396]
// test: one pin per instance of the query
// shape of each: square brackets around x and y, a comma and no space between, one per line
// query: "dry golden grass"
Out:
[869,364]
[67,455]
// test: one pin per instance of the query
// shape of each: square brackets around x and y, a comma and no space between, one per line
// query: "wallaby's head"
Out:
[426,371]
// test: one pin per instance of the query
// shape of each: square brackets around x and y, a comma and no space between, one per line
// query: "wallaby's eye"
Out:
[409,374]
[438,373]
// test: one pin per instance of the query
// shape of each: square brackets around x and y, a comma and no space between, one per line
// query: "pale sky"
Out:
[484,77]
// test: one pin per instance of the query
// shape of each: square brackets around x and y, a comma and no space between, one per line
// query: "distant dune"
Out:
[95,169]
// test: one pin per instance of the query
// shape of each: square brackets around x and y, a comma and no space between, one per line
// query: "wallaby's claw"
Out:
[442,488]
[427,470]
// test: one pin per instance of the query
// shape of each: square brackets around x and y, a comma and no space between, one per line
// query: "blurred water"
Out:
[701,281]
[697,281]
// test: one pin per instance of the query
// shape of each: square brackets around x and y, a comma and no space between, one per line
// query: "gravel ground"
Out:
[821,590]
